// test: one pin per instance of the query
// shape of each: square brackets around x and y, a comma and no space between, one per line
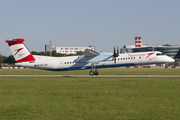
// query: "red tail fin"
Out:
[19,50]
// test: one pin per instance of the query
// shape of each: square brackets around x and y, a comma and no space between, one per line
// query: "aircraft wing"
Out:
[93,57]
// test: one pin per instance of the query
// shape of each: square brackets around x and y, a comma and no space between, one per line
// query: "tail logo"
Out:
[18,50]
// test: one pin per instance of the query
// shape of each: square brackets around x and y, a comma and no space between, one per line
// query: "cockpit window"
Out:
[158,54]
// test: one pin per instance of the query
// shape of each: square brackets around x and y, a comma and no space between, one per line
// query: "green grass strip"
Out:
[90,98]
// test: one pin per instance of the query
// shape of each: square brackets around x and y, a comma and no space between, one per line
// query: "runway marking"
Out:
[131,76]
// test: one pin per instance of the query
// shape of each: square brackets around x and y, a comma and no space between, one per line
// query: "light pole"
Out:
[50,46]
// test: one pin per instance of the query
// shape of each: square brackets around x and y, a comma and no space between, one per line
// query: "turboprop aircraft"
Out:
[89,60]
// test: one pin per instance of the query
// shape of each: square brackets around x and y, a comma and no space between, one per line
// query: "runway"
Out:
[120,76]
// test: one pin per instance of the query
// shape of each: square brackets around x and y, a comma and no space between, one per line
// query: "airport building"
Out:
[172,51]
[71,50]
[66,50]
[50,47]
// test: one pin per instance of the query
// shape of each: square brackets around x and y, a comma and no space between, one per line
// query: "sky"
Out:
[100,23]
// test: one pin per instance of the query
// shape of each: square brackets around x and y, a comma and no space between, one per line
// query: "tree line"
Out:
[11,60]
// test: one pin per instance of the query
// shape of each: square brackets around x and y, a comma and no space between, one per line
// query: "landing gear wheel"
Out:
[166,66]
[91,73]
[93,68]
[96,73]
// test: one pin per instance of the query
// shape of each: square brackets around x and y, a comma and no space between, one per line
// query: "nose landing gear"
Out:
[166,66]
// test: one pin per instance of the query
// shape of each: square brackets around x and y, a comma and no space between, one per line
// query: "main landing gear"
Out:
[166,66]
[92,69]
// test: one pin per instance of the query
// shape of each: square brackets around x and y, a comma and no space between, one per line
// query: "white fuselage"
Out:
[68,63]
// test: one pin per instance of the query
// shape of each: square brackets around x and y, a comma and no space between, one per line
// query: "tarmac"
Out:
[120,76]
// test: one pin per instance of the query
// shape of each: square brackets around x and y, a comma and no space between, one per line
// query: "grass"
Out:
[90,98]
[104,71]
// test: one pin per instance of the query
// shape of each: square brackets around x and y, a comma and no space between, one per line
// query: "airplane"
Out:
[89,60]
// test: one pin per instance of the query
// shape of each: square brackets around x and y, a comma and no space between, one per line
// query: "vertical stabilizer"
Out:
[19,50]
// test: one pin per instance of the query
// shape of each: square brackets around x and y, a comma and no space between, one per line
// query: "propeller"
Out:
[115,55]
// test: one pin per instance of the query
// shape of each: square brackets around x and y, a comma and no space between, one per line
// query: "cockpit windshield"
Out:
[158,54]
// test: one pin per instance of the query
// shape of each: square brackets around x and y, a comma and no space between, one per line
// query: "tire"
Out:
[166,66]
[91,73]
[96,73]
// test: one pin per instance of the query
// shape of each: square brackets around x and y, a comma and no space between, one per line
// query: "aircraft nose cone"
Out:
[171,60]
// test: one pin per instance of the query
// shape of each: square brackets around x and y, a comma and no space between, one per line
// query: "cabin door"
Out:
[61,64]
[140,60]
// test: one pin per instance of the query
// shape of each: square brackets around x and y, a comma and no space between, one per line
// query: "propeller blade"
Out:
[115,55]
[118,50]
[114,50]
[115,61]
